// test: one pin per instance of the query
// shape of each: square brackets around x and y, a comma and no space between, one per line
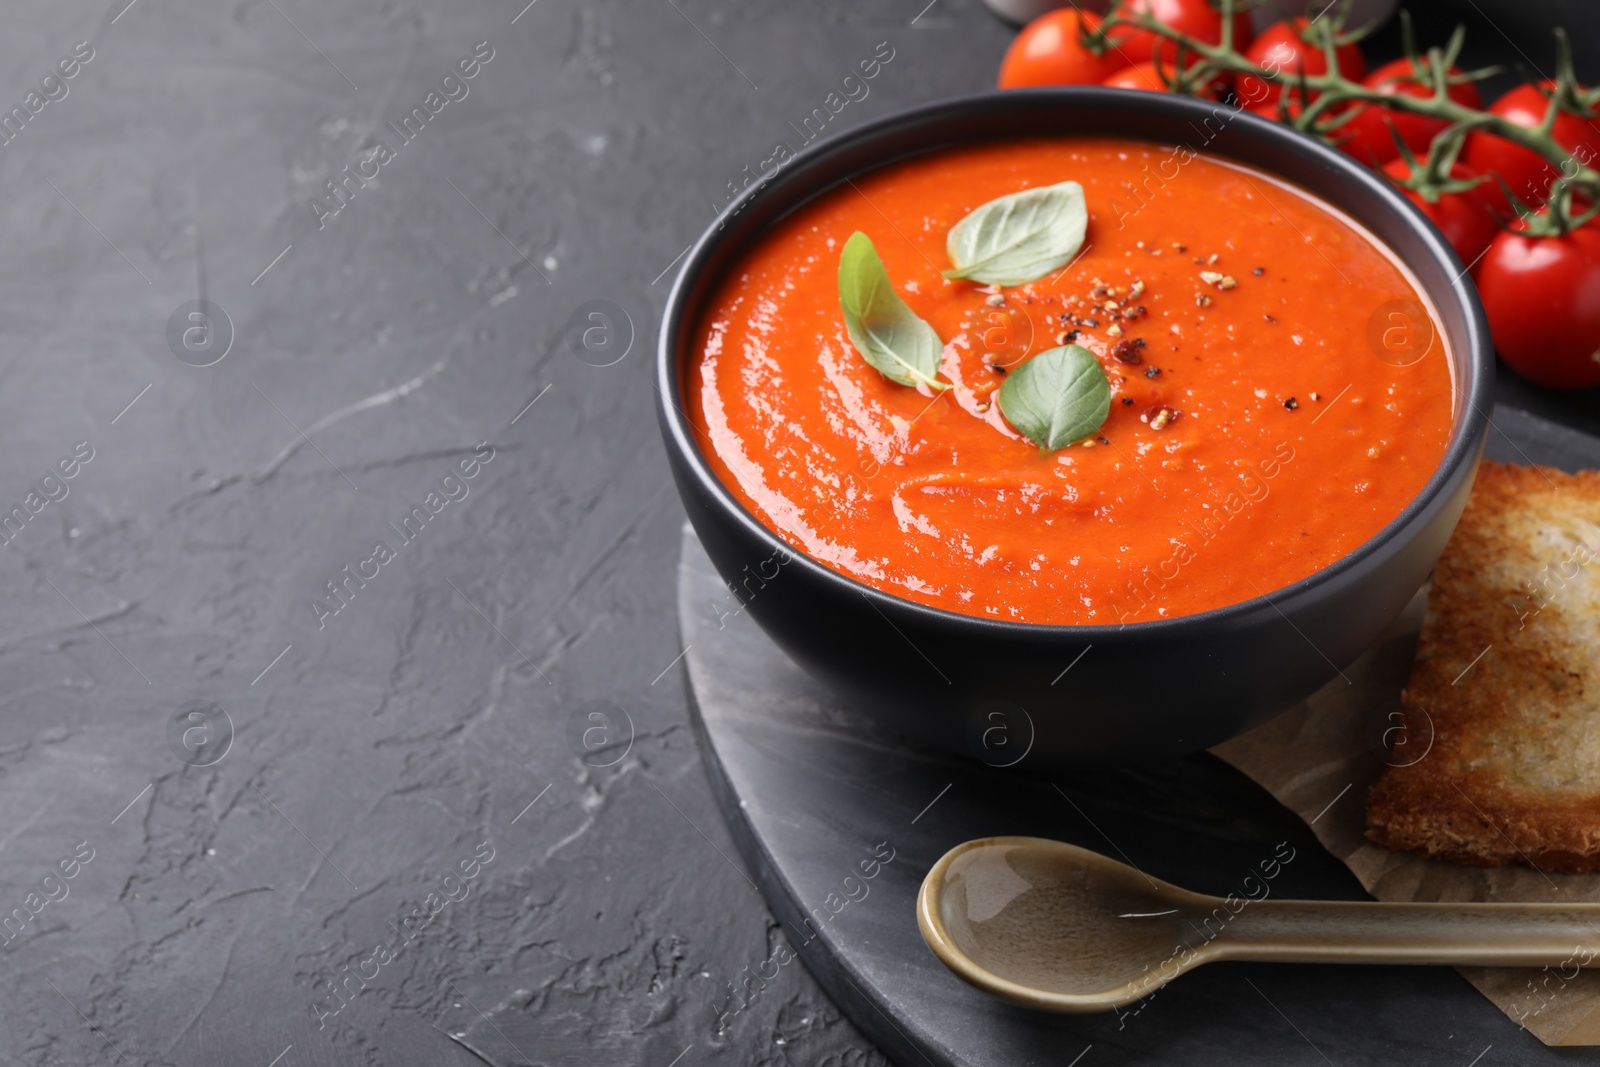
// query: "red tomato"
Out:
[1370,135]
[1542,295]
[1283,47]
[1047,52]
[1524,171]
[1467,219]
[1269,109]
[1195,18]
[1147,77]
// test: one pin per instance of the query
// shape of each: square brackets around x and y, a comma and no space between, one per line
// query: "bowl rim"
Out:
[1475,356]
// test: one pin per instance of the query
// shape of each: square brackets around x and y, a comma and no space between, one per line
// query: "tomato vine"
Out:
[1322,103]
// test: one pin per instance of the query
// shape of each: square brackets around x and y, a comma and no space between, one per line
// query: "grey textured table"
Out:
[278,816]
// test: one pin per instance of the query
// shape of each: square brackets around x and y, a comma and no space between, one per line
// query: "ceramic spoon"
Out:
[1058,927]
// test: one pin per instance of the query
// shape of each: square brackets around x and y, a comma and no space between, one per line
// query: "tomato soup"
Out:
[1272,405]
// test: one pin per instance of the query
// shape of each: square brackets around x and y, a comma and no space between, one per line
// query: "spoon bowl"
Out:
[1058,927]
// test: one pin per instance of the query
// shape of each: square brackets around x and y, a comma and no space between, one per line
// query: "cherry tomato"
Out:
[1524,171]
[1272,109]
[1148,77]
[1269,109]
[1467,219]
[1195,18]
[1370,134]
[1542,295]
[1048,52]
[1283,47]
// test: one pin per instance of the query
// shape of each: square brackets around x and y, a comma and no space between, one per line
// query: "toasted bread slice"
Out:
[1507,677]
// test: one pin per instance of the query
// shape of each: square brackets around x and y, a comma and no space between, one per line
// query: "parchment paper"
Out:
[1319,760]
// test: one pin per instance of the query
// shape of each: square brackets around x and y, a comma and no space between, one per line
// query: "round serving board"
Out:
[839,822]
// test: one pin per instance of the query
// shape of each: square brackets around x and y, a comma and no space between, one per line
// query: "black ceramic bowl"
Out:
[996,690]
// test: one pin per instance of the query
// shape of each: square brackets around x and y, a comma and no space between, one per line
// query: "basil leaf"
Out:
[1021,237]
[1059,396]
[886,332]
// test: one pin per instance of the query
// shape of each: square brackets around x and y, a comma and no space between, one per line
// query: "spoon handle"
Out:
[1495,935]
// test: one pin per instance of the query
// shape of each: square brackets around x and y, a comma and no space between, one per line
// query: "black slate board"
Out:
[818,800]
